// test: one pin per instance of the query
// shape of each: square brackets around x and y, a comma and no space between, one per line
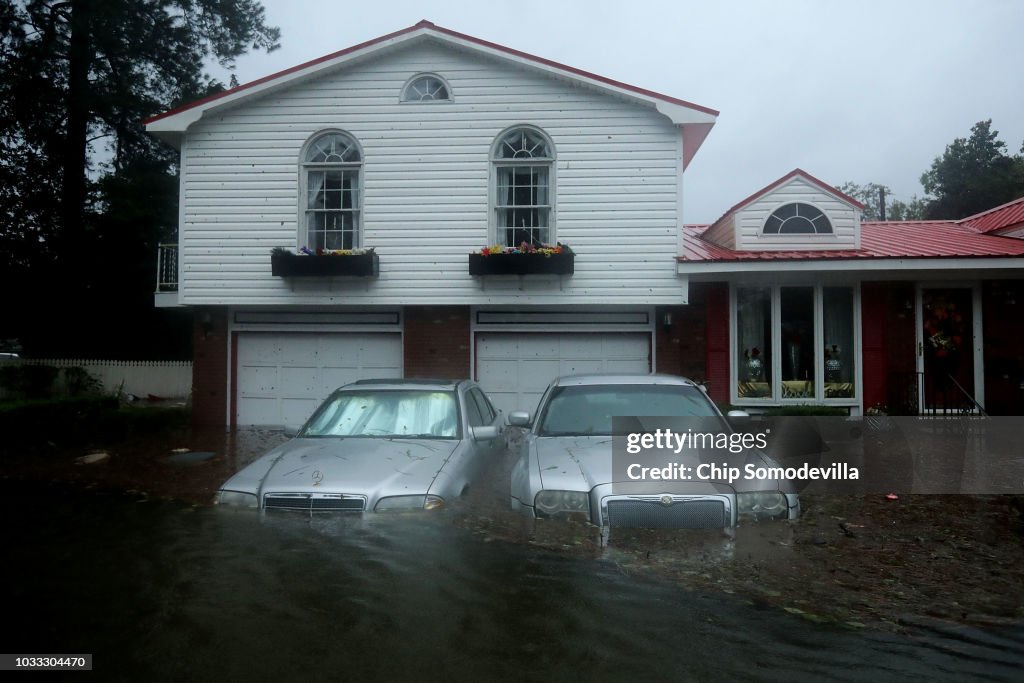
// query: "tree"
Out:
[973,174]
[80,77]
[914,210]
[896,210]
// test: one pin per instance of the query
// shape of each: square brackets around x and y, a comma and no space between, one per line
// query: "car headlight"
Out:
[236,499]
[551,503]
[397,503]
[762,504]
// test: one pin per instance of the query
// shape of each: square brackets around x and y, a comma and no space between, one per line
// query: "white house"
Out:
[423,147]
[389,179]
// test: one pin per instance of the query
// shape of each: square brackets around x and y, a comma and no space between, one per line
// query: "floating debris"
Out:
[98,456]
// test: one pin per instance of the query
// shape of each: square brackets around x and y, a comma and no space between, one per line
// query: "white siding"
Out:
[723,233]
[426,184]
[749,221]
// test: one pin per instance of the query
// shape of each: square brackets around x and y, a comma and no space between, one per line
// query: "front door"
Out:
[946,349]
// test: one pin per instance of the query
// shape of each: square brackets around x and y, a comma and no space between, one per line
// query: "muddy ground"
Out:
[859,562]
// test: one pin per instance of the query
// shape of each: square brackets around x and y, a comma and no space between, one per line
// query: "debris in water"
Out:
[98,456]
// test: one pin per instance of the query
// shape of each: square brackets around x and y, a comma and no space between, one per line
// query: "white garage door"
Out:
[282,377]
[514,369]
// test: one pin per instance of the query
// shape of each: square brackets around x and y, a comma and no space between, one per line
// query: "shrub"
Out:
[82,421]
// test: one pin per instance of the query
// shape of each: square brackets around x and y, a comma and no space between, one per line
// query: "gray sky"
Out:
[866,91]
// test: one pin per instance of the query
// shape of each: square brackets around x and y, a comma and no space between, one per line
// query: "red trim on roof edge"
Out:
[424,24]
[284,72]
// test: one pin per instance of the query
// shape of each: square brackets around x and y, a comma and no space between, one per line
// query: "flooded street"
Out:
[164,591]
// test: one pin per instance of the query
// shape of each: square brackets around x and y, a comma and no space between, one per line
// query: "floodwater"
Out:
[160,591]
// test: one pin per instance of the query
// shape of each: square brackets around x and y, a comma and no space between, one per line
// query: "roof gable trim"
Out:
[680,112]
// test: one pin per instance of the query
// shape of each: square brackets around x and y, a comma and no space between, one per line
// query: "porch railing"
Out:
[167,268]
[943,397]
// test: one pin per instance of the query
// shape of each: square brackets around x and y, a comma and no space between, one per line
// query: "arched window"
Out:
[523,160]
[331,165]
[795,219]
[426,88]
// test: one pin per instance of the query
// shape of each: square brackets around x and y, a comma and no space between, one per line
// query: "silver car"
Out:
[377,445]
[566,466]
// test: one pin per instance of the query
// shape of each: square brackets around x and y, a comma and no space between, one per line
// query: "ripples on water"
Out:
[160,591]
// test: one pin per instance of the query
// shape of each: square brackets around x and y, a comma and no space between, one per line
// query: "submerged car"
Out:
[566,466]
[377,445]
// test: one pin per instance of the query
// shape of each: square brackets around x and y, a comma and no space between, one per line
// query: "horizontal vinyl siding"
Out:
[426,176]
[845,222]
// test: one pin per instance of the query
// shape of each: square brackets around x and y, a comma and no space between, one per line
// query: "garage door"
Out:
[514,369]
[282,377]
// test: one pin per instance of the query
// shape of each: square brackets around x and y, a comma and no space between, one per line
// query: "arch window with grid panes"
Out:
[426,88]
[523,161]
[796,219]
[331,167]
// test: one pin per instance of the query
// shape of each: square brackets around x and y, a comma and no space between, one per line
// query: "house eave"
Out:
[891,268]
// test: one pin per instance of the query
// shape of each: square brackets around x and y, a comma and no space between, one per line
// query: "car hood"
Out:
[352,465]
[579,463]
[574,463]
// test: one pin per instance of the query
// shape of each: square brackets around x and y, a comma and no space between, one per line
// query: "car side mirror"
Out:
[292,431]
[485,433]
[519,418]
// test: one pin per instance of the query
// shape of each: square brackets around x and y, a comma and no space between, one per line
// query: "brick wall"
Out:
[716,340]
[680,348]
[437,341]
[209,367]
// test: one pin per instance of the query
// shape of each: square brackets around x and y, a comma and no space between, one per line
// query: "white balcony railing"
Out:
[166,268]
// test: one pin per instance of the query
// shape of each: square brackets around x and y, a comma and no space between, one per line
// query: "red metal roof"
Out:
[430,26]
[895,239]
[1008,215]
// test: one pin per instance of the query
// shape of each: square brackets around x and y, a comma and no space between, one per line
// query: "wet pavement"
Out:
[164,591]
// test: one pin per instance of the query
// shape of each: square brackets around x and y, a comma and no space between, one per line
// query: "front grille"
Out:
[681,514]
[316,502]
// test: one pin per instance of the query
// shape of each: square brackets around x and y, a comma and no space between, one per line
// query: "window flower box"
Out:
[324,263]
[523,260]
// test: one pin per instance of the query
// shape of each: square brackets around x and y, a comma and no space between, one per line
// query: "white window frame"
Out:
[831,227]
[304,170]
[776,344]
[404,98]
[496,231]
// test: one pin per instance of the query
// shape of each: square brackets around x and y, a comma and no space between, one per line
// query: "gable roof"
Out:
[795,173]
[694,119]
[1002,218]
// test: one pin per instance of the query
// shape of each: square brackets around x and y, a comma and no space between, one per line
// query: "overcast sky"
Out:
[865,91]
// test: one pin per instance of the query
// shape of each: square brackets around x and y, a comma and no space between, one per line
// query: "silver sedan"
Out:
[566,466]
[377,445]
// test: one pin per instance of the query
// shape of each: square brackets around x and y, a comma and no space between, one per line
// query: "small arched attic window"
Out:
[797,219]
[426,88]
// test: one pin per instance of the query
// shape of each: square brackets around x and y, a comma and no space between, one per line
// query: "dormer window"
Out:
[797,219]
[426,88]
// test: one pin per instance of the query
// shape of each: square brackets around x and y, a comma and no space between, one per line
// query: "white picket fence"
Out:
[166,379]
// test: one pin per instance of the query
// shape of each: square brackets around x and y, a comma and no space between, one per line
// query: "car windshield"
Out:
[383,414]
[588,410]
